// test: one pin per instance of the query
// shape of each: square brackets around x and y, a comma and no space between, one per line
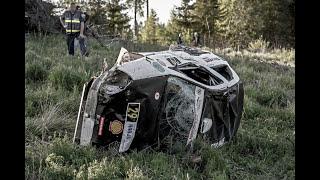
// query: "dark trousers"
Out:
[70,43]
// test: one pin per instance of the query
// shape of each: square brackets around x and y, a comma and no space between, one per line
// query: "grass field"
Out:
[264,147]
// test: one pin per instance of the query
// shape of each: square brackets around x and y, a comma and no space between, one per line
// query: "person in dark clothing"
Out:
[86,32]
[86,20]
[180,41]
[72,20]
[85,16]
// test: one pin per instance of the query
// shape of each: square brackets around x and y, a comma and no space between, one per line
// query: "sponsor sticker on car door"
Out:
[130,126]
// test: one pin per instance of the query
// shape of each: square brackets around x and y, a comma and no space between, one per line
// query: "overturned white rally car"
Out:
[145,97]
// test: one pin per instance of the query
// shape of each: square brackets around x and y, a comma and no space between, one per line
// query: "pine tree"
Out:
[137,6]
[117,19]
[173,30]
[278,18]
[182,21]
[150,28]
[241,22]
[248,20]
[207,13]
[183,15]
[162,35]
[98,13]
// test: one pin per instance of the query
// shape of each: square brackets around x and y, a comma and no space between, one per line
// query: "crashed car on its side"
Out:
[147,96]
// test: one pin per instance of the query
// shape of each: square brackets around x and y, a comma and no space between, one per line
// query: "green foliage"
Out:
[162,35]
[149,31]
[183,15]
[110,16]
[207,13]
[98,12]
[67,78]
[258,45]
[137,7]
[220,23]
[117,20]
[173,30]
[247,20]
[226,23]
[35,72]
[183,20]
[278,22]
[36,97]
[50,120]
[56,169]
[39,17]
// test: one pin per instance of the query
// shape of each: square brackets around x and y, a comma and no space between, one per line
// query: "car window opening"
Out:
[224,71]
[201,76]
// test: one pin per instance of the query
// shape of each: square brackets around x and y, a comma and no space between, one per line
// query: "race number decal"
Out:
[133,112]
[130,126]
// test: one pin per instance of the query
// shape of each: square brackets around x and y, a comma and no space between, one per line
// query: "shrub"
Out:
[273,98]
[37,98]
[55,168]
[258,45]
[67,78]
[35,72]
[51,120]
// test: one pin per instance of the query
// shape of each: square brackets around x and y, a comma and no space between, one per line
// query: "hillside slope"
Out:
[264,147]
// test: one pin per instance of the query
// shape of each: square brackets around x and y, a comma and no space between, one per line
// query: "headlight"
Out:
[118,78]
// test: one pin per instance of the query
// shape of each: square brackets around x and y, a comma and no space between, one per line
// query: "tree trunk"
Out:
[135,20]
[204,35]
[147,9]
[209,32]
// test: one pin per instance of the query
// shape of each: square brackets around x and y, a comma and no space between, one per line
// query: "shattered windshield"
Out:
[179,105]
